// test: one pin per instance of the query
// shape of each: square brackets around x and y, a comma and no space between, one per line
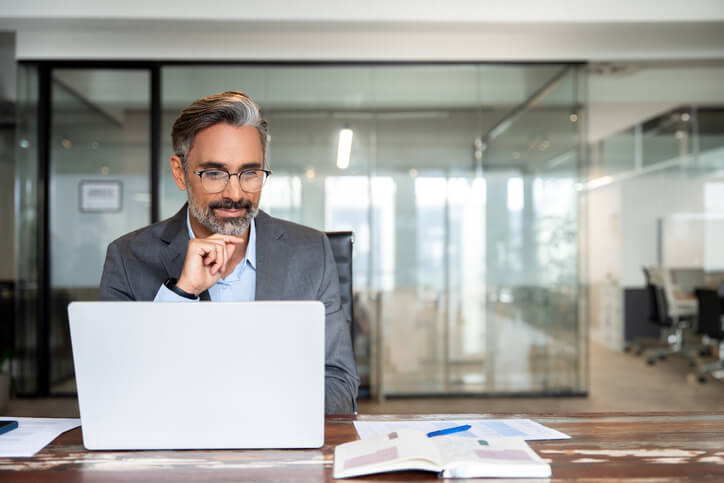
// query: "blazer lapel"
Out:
[272,255]
[176,237]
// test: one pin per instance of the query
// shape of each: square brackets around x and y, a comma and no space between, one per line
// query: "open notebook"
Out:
[451,456]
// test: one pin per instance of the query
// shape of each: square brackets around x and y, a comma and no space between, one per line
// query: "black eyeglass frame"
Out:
[238,174]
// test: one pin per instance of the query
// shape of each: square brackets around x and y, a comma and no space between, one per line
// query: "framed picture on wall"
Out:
[100,196]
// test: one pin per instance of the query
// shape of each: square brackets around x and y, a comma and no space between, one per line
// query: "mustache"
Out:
[227,204]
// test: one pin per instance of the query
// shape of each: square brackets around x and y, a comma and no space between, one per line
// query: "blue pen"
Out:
[443,432]
[6,426]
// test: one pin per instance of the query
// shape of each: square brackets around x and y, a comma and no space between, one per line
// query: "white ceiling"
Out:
[406,11]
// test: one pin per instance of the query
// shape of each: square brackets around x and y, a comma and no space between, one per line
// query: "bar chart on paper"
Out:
[479,428]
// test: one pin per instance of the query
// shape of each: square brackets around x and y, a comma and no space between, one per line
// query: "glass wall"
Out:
[461,192]
[496,208]
[84,142]
[99,187]
[654,191]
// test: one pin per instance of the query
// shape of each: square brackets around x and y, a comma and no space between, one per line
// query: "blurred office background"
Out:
[511,172]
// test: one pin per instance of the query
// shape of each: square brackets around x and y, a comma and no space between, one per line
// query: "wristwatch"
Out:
[170,284]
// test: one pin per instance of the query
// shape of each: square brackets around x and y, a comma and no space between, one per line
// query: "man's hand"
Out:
[206,260]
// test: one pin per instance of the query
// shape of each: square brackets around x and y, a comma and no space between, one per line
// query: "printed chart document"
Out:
[451,456]
[479,428]
[32,435]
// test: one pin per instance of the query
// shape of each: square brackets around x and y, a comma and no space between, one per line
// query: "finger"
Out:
[217,260]
[230,250]
[202,250]
[234,240]
[221,257]
[226,239]
[210,256]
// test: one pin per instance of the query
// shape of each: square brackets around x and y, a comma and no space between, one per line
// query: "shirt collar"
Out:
[251,246]
[250,256]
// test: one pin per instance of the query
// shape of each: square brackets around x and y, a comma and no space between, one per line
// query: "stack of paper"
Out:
[479,428]
[32,435]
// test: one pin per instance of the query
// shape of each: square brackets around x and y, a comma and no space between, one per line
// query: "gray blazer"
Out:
[293,263]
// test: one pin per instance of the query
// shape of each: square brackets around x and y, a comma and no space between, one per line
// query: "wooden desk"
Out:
[621,446]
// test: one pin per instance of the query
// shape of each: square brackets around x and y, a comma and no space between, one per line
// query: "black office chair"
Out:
[710,326]
[672,328]
[656,314]
[342,242]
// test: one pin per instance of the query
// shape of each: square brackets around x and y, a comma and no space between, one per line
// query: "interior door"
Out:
[99,187]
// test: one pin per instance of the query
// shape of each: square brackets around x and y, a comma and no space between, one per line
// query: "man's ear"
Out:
[177,168]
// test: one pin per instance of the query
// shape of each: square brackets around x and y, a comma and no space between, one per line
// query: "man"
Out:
[221,247]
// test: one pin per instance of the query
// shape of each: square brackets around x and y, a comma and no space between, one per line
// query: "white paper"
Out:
[480,428]
[32,435]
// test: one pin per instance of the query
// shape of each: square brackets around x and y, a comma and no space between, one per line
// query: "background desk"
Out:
[662,446]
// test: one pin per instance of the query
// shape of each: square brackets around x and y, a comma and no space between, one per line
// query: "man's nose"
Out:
[233,188]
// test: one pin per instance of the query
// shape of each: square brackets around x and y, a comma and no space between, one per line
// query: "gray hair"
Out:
[231,107]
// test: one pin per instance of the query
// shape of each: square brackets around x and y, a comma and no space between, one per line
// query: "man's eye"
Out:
[215,174]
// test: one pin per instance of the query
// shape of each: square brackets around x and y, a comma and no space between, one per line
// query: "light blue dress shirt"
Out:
[239,286]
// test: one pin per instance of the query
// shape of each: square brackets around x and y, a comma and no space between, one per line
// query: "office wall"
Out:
[646,200]
[605,237]
[604,251]
[80,241]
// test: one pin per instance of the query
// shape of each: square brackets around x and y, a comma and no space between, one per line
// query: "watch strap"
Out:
[170,284]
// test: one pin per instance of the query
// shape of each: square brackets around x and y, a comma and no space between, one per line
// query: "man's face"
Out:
[232,149]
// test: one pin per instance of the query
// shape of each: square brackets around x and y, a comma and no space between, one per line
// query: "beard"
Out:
[226,226]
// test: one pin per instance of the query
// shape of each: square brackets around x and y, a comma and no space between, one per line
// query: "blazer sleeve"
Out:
[341,380]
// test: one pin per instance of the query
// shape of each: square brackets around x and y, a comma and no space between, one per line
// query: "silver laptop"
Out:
[199,375]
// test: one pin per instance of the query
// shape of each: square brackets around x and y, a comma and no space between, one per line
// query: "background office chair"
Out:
[655,314]
[342,243]
[670,313]
[710,326]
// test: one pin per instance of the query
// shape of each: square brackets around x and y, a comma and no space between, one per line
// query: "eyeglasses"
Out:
[250,180]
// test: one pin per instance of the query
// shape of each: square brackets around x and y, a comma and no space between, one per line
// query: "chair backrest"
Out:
[647,275]
[342,242]
[658,310]
[661,277]
[709,313]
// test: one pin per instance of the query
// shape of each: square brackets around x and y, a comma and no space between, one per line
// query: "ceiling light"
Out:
[344,148]
[598,182]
